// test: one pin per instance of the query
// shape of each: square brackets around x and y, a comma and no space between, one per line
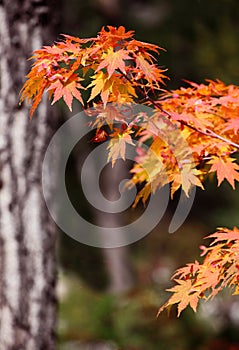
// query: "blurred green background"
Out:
[107,304]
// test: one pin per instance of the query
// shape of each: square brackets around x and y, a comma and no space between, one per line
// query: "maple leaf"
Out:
[232,124]
[116,33]
[224,234]
[226,169]
[142,194]
[150,71]
[99,85]
[187,177]
[106,115]
[111,89]
[74,39]
[184,294]
[114,60]
[67,90]
[208,278]
[143,47]
[122,91]
[219,269]
[33,89]
[117,145]
[188,270]
[148,169]
[101,135]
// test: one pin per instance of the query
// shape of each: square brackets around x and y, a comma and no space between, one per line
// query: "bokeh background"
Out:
[108,299]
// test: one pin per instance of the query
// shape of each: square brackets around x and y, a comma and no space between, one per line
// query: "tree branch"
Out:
[208,132]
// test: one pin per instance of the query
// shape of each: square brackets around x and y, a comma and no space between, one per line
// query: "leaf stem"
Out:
[208,132]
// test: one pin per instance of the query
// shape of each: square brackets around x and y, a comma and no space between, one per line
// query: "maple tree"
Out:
[116,69]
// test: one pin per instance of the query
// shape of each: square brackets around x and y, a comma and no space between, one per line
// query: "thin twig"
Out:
[208,132]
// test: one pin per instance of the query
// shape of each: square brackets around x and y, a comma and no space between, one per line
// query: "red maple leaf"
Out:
[101,135]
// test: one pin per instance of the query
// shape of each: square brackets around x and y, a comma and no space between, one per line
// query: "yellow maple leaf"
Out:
[98,83]
[117,145]
[186,177]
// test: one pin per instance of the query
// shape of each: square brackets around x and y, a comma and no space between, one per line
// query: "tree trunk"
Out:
[27,234]
[117,260]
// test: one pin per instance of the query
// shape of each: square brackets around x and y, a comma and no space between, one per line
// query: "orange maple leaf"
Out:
[150,71]
[226,169]
[209,278]
[115,33]
[184,295]
[224,234]
[233,124]
[67,90]
[114,60]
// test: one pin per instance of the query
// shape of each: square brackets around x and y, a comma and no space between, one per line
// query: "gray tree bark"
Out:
[27,234]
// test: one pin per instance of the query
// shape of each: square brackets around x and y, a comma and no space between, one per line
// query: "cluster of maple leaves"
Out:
[192,131]
[220,269]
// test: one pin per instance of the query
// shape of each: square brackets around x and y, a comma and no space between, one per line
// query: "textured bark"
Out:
[27,234]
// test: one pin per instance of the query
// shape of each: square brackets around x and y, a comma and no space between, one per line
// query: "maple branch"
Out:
[208,132]
[213,134]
